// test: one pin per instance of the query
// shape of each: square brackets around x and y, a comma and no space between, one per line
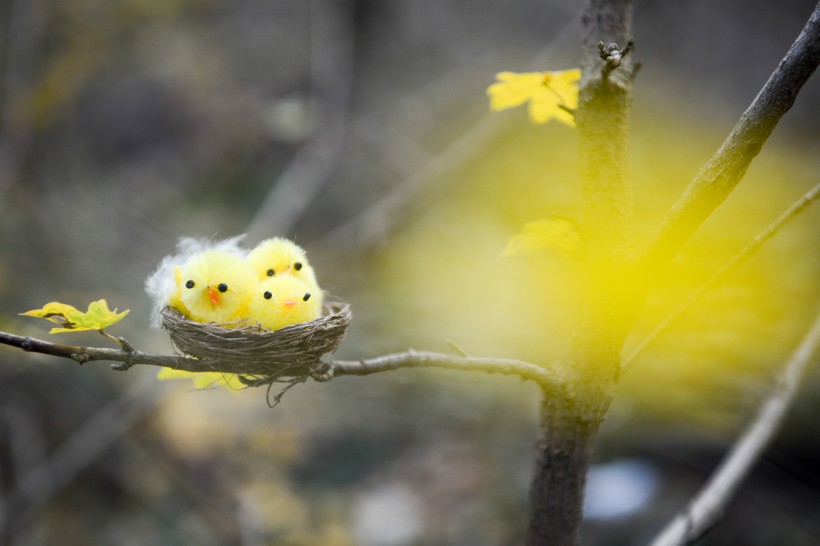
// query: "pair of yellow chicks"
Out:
[273,285]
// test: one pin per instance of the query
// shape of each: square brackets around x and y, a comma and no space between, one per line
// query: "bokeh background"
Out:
[361,130]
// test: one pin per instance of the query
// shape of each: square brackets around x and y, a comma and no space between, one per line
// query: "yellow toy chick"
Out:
[165,285]
[279,256]
[284,300]
[214,286]
[207,280]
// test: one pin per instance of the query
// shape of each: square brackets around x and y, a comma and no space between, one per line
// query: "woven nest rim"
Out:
[260,356]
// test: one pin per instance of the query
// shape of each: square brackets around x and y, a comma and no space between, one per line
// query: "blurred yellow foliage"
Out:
[545,234]
[524,306]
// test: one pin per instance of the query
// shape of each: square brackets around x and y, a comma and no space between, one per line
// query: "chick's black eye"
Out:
[271,272]
[267,295]
[297,266]
[306,297]
[189,284]
[222,287]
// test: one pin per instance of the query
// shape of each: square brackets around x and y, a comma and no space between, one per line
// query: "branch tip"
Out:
[547,377]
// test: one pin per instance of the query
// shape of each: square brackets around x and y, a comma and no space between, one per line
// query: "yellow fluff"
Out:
[164,285]
[214,286]
[175,298]
[278,256]
[284,300]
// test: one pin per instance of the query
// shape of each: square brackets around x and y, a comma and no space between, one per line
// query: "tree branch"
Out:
[719,176]
[545,377]
[748,251]
[707,507]
[424,359]
[126,358]
[331,73]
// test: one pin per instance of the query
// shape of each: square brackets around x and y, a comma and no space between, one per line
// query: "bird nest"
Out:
[257,355]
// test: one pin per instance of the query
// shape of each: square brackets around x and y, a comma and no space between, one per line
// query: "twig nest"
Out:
[259,355]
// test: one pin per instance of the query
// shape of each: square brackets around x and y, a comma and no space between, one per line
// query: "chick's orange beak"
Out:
[290,303]
[213,296]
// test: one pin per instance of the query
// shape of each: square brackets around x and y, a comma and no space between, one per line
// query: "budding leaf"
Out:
[97,317]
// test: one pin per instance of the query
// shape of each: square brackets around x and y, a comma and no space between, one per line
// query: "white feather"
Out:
[188,246]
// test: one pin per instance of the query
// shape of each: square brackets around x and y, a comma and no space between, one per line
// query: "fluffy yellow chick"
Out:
[282,301]
[175,298]
[215,286]
[165,285]
[280,256]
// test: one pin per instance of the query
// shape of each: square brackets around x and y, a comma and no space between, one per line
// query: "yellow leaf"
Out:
[97,317]
[59,313]
[551,95]
[170,373]
[513,89]
[204,380]
[544,234]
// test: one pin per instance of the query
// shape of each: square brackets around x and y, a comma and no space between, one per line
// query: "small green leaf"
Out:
[71,319]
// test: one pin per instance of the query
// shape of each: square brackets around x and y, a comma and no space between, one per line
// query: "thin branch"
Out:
[707,507]
[81,354]
[373,224]
[546,377]
[331,45]
[719,176]
[424,359]
[741,257]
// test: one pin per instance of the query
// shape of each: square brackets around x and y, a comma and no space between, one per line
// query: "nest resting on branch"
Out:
[261,356]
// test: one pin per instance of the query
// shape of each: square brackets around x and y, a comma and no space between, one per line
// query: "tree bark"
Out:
[556,494]
[569,421]
[602,117]
[724,170]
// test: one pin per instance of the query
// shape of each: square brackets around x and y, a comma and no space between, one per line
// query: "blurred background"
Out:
[361,130]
